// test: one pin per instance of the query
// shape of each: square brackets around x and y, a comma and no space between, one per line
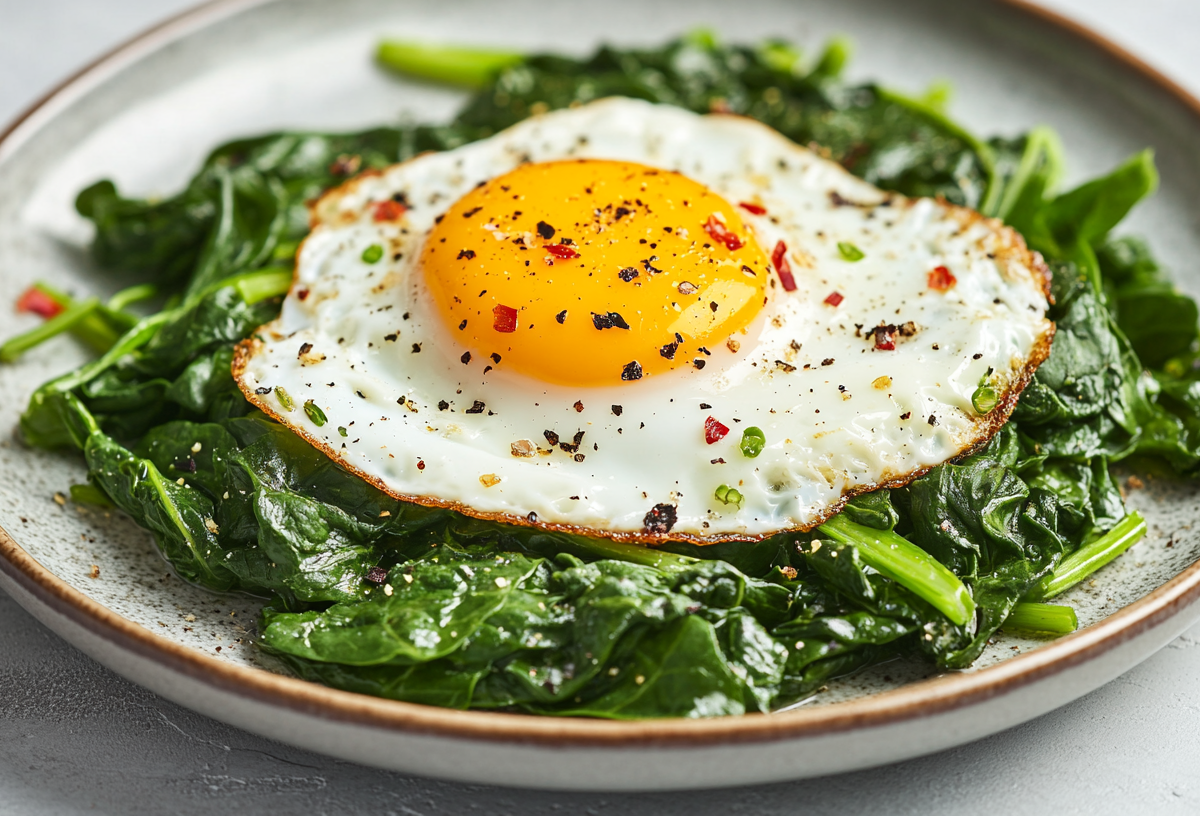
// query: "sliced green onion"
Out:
[850,252]
[984,399]
[1039,617]
[342,431]
[1091,557]
[907,564]
[314,413]
[285,399]
[468,67]
[728,495]
[753,442]
[372,254]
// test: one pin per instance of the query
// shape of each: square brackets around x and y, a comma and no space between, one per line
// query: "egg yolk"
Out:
[590,272]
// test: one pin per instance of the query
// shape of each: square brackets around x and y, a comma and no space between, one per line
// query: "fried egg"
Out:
[631,321]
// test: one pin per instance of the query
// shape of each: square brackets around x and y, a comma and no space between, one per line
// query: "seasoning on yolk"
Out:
[559,242]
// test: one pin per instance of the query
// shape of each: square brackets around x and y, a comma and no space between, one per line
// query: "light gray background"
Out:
[75,738]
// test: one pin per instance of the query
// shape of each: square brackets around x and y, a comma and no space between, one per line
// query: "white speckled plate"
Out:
[146,115]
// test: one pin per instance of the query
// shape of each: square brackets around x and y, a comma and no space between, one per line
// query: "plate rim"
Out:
[913,701]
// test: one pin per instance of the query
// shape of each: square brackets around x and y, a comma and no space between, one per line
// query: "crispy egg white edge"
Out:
[452,467]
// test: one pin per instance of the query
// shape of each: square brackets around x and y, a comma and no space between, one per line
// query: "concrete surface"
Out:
[74,738]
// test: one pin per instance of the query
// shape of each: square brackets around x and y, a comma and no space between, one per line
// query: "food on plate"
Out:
[605,297]
[598,484]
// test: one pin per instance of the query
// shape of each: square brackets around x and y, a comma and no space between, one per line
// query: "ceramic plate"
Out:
[147,114]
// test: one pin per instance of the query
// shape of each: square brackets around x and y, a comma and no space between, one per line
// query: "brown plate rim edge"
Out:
[923,698]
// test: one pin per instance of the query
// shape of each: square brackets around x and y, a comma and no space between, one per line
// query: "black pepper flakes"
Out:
[828,361]
[443,405]
[551,437]
[704,406]
[699,363]
[465,253]
[391,338]
[476,407]
[660,519]
[466,357]
[416,349]
[617,410]
[609,320]
[933,420]
[376,575]
[627,274]
[495,358]
[573,445]
[632,371]
[262,391]
[545,230]
[305,348]
[561,316]
[462,325]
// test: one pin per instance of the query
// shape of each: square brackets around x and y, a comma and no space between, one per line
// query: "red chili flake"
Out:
[504,319]
[751,207]
[36,301]
[561,251]
[941,279]
[885,338]
[717,230]
[779,258]
[834,299]
[389,210]
[420,465]
[714,431]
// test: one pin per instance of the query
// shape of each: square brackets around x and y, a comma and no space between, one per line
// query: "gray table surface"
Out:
[75,738]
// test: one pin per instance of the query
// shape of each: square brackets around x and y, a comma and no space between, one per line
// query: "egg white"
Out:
[839,416]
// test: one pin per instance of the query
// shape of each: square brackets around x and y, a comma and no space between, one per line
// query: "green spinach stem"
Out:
[467,67]
[907,564]
[1091,557]
[1051,619]
[61,322]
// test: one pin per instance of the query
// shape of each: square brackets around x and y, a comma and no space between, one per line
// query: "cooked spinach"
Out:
[388,598]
